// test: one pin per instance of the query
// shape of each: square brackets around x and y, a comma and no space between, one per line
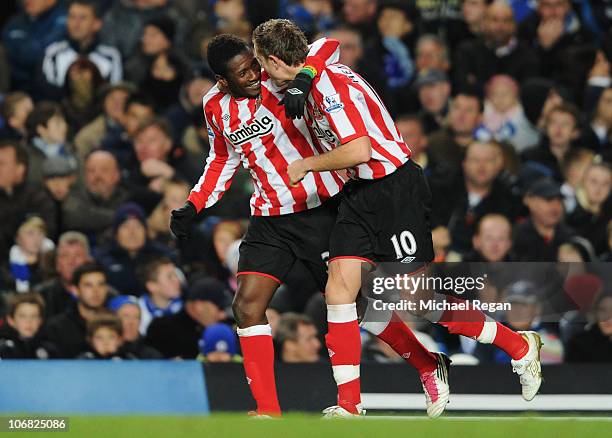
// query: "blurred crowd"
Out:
[507,106]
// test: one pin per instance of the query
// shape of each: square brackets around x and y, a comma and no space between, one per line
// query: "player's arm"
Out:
[356,151]
[221,166]
[324,51]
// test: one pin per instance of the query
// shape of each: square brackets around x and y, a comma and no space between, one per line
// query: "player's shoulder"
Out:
[335,77]
[210,101]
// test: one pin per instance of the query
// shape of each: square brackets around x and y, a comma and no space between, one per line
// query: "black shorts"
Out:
[273,244]
[385,220]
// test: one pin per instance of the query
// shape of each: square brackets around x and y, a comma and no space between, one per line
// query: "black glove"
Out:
[296,95]
[181,219]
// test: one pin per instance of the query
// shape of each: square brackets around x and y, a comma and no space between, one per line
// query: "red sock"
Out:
[475,324]
[399,337]
[344,347]
[258,353]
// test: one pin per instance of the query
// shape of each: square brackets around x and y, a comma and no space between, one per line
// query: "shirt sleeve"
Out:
[342,104]
[324,51]
[221,165]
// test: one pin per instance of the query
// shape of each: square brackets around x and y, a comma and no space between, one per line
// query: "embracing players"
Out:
[384,210]
[289,222]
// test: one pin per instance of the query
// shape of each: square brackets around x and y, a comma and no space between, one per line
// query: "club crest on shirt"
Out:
[332,103]
[248,131]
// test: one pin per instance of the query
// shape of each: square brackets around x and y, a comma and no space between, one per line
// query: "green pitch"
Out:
[311,426]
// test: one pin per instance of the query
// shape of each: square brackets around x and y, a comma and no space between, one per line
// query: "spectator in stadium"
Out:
[81,42]
[432,54]
[128,249]
[562,127]
[361,15]
[296,339]
[14,110]
[80,103]
[477,192]
[47,137]
[411,129]
[163,79]
[90,207]
[114,98]
[181,114]
[471,24]
[27,34]
[524,314]
[447,146]
[20,336]
[59,176]
[29,258]
[539,237]
[503,118]
[576,162]
[558,35]
[312,16]
[127,309]
[177,336]
[162,290]
[18,199]
[119,142]
[602,121]
[158,161]
[59,293]
[492,241]
[497,51]
[434,90]
[219,344]
[124,22]
[393,49]
[594,207]
[68,329]
[230,16]
[595,344]
[157,38]
[105,339]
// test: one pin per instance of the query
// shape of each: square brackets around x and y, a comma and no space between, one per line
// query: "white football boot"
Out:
[529,367]
[435,385]
[339,412]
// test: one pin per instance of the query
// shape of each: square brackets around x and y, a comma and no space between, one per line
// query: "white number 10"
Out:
[405,245]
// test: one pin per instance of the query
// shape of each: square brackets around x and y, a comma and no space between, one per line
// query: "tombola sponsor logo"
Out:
[250,130]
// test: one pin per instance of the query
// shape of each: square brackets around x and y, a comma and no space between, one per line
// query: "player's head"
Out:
[235,67]
[281,48]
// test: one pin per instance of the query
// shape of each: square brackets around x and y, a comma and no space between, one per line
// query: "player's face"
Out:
[243,76]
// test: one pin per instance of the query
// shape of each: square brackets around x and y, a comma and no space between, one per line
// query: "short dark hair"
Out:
[283,39]
[91,4]
[21,155]
[140,98]
[26,298]
[40,115]
[222,49]
[87,268]
[473,92]
[159,122]
[148,270]
[109,321]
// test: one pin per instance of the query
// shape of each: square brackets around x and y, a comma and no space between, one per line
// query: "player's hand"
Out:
[296,171]
[180,220]
[296,95]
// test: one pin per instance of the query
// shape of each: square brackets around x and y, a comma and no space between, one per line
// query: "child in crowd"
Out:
[30,256]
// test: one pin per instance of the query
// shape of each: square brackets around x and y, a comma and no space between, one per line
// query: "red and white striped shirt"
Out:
[341,107]
[256,133]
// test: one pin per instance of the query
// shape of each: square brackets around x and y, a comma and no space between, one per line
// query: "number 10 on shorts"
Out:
[405,246]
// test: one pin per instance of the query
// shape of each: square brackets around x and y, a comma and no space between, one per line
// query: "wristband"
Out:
[310,71]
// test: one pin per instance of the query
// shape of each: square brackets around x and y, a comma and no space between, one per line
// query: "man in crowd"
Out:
[83,24]
[296,339]
[68,330]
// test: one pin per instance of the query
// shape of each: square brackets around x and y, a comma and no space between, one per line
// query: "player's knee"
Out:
[248,311]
